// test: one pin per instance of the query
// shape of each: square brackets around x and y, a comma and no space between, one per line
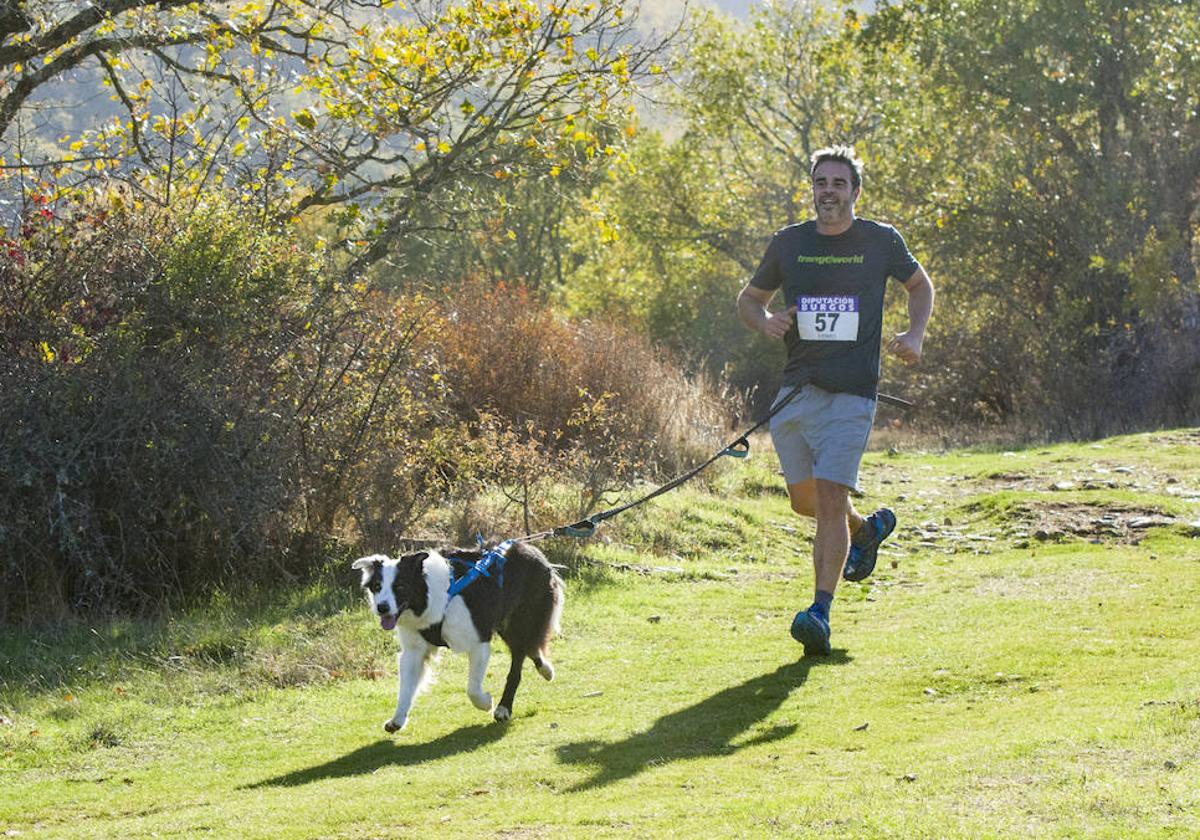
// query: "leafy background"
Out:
[289,280]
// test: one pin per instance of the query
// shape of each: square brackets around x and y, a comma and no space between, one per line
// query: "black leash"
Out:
[739,448]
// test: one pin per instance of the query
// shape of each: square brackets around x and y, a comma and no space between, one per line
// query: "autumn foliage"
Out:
[187,401]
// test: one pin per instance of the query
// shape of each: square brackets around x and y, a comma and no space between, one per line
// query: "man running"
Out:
[833,270]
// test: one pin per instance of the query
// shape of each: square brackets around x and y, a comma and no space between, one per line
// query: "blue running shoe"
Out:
[812,631]
[860,562]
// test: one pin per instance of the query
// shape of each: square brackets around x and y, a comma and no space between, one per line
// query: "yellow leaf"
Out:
[47,353]
[304,119]
[444,147]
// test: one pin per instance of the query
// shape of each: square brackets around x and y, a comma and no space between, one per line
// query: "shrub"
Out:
[189,402]
[136,444]
[586,402]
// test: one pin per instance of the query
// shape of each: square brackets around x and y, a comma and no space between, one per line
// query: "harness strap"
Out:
[492,562]
[433,635]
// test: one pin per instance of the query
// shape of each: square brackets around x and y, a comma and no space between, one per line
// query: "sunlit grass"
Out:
[986,681]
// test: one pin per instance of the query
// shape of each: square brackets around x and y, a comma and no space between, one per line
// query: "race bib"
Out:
[827,317]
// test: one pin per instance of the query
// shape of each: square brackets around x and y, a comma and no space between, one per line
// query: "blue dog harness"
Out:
[491,563]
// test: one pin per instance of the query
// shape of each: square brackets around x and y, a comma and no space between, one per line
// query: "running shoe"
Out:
[812,631]
[860,562]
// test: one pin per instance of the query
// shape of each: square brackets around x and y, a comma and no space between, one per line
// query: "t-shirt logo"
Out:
[826,259]
[827,317]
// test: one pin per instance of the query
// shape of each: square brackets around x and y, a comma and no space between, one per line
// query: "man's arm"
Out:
[752,310]
[907,345]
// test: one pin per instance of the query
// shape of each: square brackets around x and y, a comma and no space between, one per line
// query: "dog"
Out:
[522,603]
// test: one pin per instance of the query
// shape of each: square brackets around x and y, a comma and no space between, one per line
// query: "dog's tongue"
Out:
[387,622]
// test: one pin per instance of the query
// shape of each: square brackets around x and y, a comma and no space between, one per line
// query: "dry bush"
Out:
[139,454]
[589,403]
[191,402]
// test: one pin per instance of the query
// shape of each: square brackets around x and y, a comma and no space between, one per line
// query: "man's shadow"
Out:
[387,753]
[708,728]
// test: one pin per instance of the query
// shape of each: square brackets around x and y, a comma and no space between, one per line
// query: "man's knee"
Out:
[803,498]
[804,507]
[832,499]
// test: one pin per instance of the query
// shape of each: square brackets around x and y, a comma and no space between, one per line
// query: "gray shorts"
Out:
[821,434]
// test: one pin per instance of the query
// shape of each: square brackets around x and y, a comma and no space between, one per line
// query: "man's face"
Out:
[833,195]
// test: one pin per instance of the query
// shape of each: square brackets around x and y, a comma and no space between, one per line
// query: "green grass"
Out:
[1024,662]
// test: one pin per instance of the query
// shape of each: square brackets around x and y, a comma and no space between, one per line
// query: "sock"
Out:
[822,601]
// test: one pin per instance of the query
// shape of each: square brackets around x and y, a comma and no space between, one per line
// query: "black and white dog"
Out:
[523,604]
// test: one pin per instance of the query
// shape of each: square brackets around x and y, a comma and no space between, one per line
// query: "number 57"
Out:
[826,321]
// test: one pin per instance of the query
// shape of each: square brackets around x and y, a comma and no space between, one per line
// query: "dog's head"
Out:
[393,586]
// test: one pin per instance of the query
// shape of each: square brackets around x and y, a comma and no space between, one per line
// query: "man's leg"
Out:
[804,501]
[832,541]
[829,503]
[865,532]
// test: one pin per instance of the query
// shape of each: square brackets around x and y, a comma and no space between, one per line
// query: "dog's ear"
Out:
[368,565]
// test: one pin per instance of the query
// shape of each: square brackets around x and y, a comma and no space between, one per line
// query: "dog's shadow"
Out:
[707,728]
[386,753]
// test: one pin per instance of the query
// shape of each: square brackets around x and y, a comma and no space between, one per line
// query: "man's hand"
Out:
[752,310]
[907,347]
[779,323]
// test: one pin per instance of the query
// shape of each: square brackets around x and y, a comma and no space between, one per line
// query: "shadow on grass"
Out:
[708,728]
[389,754]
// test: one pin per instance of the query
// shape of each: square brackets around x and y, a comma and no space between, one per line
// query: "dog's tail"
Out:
[551,627]
[558,596]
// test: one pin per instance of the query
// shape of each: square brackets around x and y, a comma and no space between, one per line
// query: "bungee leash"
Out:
[739,448]
[492,561]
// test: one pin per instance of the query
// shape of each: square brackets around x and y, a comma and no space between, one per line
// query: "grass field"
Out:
[1025,662]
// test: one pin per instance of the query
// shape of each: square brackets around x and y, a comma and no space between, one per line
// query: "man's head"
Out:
[836,181]
[839,154]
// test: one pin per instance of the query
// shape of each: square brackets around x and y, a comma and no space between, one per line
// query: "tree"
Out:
[1059,162]
[339,105]
[685,228]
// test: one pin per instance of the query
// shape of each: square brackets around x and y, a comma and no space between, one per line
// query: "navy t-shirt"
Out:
[837,283]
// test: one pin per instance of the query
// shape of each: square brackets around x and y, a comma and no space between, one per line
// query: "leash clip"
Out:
[581,529]
[740,448]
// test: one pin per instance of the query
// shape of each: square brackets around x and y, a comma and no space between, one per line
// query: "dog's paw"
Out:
[483,700]
[502,713]
[546,669]
[394,725]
